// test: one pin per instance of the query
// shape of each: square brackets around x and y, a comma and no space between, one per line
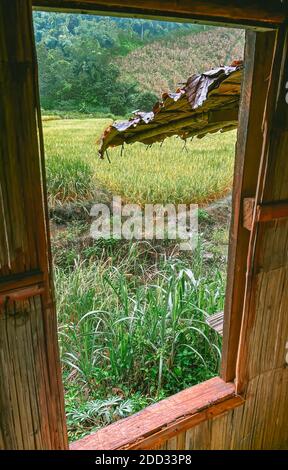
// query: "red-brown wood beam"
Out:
[257,13]
[165,419]
[259,53]
[267,212]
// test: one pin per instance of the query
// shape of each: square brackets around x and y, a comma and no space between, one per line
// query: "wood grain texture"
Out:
[216,321]
[267,212]
[265,326]
[259,54]
[164,419]
[248,212]
[261,423]
[20,280]
[31,394]
[272,211]
[156,439]
[261,13]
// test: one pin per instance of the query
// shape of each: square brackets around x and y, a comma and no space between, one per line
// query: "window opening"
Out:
[139,319]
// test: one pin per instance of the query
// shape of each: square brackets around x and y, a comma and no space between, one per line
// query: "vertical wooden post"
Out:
[264,332]
[259,53]
[31,393]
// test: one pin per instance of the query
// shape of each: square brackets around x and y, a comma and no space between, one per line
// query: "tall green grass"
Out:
[118,330]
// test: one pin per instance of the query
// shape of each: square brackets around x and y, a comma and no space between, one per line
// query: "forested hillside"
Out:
[105,66]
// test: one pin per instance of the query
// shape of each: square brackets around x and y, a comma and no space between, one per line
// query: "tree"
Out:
[77,67]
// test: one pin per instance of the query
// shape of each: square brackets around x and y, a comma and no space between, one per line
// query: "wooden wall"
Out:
[261,423]
[31,396]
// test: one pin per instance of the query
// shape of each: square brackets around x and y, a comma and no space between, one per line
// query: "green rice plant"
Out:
[68,180]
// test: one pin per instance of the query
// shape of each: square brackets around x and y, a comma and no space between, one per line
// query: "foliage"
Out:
[77,66]
[118,333]
[132,315]
[108,65]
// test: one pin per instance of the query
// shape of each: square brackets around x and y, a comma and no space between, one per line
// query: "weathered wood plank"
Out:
[164,419]
[248,212]
[259,53]
[216,322]
[267,212]
[20,280]
[245,427]
[272,211]
[257,13]
[184,424]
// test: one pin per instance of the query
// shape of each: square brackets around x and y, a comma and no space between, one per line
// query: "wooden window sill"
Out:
[165,419]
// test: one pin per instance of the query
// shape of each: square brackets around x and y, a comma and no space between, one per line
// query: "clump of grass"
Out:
[89,416]
[68,180]
[103,411]
[51,117]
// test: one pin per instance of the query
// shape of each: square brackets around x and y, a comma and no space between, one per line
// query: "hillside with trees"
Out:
[164,64]
[111,66]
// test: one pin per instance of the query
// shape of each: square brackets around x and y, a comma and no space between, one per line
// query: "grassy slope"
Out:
[172,61]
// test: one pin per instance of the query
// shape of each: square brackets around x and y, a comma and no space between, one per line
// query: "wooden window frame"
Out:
[202,402]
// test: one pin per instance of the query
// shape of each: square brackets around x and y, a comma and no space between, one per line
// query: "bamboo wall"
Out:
[31,397]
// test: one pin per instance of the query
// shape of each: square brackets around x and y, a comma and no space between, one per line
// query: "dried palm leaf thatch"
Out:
[207,103]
